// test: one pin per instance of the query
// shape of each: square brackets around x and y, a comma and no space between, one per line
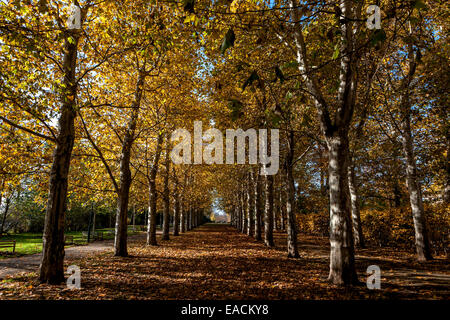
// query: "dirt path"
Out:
[30,263]
[217,262]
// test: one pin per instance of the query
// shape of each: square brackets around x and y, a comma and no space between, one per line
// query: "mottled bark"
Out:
[240,213]
[189,218]
[176,213]
[258,206]
[290,203]
[244,208]
[412,179]
[5,213]
[335,129]
[282,207]
[276,203]
[415,193]
[268,213]
[120,241]
[51,268]
[250,206]
[356,219]
[182,216]
[446,191]
[153,195]
[166,196]
[342,260]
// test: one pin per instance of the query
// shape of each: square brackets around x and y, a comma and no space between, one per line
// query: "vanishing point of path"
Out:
[214,261]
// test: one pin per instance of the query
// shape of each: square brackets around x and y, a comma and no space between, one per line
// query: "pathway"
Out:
[214,261]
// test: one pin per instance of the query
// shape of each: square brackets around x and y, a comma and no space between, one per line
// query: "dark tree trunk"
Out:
[290,203]
[268,213]
[5,214]
[192,217]
[153,194]
[282,207]
[120,241]
[189,219]
[51,268]
[356,219]
[446,191]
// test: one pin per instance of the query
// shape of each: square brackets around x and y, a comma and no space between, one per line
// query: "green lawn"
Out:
[31,243]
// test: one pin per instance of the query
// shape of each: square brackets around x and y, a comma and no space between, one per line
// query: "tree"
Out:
[342,259]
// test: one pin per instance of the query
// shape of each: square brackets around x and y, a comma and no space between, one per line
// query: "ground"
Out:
[214,261]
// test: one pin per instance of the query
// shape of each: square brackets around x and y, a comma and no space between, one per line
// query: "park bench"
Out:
[8,244]
[68,240]
[97,235]
[111,233]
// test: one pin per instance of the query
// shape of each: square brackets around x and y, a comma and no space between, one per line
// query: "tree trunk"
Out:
[282,207]
[356,219]
[166,197]
[290,203]
[182,215]
[153,194]
[51,268]
[94,214]
[5,214]
[244,208]
[133,221]
[258,206]
[189,219]
[342,259]
[415,192]
[176,213]
[235,216]
[268,213]
[276,203]
[446,191]
[250,206]
[120,241]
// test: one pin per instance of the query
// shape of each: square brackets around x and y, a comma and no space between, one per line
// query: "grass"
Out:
[31,243]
